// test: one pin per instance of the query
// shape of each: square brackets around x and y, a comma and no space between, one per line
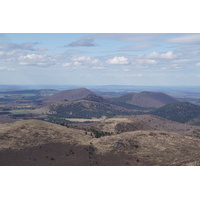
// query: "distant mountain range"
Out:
[142,99]
[83,103]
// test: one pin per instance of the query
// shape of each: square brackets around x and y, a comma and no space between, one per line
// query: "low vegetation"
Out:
[180,112]
[43,143]
[86,109]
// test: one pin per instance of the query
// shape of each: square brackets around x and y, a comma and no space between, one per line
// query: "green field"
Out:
[17,111]
[20,111]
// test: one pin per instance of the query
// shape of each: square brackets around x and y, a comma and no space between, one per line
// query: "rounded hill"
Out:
[147,99]
[67,95]
[180,112]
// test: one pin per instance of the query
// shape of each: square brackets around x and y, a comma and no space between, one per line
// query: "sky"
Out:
[155,59]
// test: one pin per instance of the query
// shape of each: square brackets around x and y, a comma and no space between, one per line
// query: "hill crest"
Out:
[67,95]
[148,99]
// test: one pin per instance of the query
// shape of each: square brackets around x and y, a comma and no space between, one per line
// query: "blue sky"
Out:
[100,59]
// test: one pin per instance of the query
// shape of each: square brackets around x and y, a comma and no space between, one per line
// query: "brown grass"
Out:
[34,142]
[31,133]
[153,148]
[144,122]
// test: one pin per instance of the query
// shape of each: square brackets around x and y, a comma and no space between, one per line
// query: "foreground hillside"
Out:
[150,148]
[34,142]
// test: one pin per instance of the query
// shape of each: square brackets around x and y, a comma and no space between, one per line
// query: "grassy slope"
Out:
[152,148]
[34,142]
[142,122]
[29,133]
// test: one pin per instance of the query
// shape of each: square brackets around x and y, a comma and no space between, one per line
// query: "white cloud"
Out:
[198,64]
[146,61]
[134,75]
[23,63]
[141,62]
[124,75]
[7,69]
[118,60]
[37,60]
[141,66]
[95,61]
[67,64]
[41,63]
[186,39]
[126,69]
[151,61]
[77,63]
[166,55]
[81,58]
[85,60]
[181,61]
[98,68]
[137,47]
[32,57]
[8,53]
